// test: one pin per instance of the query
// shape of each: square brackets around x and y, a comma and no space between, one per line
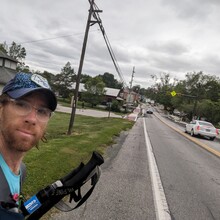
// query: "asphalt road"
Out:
[189,175]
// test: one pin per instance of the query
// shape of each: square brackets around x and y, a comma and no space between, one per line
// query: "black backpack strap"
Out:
[23,172]
[4,187]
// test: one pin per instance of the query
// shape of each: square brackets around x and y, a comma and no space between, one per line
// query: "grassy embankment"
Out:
[62,152]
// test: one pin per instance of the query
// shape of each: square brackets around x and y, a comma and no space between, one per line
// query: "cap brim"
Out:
[19,93]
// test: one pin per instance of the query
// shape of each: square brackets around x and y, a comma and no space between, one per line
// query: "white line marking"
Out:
[160,202]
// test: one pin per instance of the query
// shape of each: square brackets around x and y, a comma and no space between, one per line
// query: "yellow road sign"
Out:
[173,93]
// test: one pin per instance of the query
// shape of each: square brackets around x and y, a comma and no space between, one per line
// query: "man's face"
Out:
[21,133]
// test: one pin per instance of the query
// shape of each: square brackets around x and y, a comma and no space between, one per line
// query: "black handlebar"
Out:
[50,196]
[80,177]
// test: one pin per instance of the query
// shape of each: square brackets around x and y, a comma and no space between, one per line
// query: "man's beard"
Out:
[17,144]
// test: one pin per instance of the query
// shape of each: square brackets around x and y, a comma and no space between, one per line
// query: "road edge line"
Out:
[160,202]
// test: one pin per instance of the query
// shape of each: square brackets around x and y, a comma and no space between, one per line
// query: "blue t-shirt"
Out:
[12,179]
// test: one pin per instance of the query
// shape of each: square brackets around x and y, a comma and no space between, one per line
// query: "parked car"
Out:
[201,128]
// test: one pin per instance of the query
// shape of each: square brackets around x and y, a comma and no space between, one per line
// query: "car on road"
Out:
[201,128]
[149,111]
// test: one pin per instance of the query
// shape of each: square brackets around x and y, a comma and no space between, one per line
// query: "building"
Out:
[129,96]
[110,93]
[8,67]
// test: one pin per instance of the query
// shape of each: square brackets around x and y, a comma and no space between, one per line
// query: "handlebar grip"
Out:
[80,177]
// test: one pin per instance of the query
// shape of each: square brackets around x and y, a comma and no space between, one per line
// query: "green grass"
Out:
[63,152]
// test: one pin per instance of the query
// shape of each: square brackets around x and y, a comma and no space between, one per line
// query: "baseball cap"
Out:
[25,83]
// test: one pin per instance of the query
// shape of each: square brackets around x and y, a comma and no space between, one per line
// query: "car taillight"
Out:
[198,127]
[217,132]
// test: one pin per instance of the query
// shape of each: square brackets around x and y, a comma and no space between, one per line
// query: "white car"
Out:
[149,111]
[201,128]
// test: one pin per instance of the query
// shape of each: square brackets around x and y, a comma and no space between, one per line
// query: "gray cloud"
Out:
[154,36]
[170,47]
[197,9]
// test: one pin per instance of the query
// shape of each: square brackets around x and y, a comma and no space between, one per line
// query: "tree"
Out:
[115,107]
[196,88]
[4,47]
[180,101]
[150,93]
[84,78]
[212,88]
[95,91]
[17,52]
[136,88]
[162,89]
[110,81]
[63,82]
[209,110]
[195,83]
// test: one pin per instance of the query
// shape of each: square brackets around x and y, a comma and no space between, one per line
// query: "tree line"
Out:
[197,96]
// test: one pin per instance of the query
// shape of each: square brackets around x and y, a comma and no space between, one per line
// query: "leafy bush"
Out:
[115,106]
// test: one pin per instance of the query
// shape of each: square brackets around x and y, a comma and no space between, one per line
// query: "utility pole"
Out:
[89,23]
[132,77]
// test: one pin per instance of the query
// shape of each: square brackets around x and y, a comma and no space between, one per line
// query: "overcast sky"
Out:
[155,36]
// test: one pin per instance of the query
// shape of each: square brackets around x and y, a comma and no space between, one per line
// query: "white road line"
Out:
[160,202]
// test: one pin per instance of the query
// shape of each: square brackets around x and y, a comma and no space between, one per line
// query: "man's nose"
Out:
[31,116]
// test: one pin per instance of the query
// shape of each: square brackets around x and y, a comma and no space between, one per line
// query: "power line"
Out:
[111,52]
[99,21]
[51,38]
